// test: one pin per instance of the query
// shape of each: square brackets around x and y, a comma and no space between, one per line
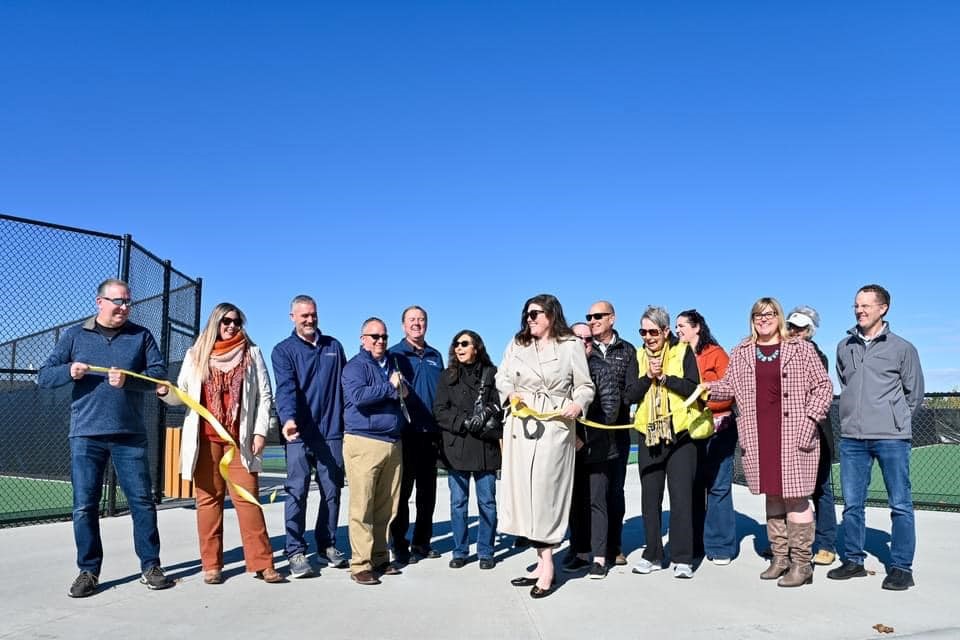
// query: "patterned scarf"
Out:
[228,360]
[658,407]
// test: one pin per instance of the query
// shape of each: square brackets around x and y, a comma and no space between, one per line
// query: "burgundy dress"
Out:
[768,419]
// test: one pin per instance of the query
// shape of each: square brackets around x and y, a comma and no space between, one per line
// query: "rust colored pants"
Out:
[211,491]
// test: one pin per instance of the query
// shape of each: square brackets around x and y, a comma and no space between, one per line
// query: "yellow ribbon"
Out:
[520,410]
[206,415]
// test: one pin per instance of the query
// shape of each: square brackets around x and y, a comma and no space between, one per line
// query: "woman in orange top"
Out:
[715,530]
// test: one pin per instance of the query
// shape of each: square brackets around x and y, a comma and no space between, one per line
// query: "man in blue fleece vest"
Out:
[373,415]
[307,367]
[106,422]
[421,366]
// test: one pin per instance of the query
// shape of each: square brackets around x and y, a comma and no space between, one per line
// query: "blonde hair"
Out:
[203,347]
[758,307]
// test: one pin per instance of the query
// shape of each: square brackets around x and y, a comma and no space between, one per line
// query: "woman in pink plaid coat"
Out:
[782,391]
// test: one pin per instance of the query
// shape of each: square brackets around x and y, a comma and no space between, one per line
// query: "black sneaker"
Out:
[487,563]
[458,563]
[84,586]
[574,564]
[155,579]
[896,580]
[597,571]
[846,571]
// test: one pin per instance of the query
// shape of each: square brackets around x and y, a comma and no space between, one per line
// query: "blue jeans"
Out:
[720,525]
[88,461]
[856,462]
[459,483]
[823,503]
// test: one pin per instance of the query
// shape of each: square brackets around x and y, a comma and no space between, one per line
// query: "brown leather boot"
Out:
[777,533]
[801,554]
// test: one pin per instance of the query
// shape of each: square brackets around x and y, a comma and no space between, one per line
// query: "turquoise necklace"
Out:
[767,358]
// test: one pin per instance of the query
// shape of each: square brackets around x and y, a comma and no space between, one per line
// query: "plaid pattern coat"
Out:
[807,393]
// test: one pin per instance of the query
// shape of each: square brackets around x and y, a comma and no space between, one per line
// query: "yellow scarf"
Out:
[659,424]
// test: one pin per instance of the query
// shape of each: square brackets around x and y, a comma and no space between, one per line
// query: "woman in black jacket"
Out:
[467,410]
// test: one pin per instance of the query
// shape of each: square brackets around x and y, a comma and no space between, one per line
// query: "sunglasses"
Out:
[653,333]
[587,339]
[597,316]
[377,336]
[463,343]
[534,314]
[231,321]
[120,302]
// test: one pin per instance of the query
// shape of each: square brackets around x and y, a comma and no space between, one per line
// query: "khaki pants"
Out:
[373,475]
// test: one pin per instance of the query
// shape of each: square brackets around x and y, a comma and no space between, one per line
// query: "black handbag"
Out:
[493,428]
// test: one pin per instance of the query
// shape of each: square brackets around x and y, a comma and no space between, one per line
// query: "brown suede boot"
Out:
[777,533]
[801,554]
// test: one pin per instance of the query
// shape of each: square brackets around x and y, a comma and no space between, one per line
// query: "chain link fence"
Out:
[934,460]
[47,284]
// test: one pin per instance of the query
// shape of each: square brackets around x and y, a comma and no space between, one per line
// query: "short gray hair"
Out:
[302,299]
[658,316]
[109,282]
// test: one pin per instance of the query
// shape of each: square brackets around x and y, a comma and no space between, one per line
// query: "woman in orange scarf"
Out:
[226,373]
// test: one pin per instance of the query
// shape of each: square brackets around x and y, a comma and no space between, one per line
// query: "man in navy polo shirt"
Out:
[421,366]
[307,367]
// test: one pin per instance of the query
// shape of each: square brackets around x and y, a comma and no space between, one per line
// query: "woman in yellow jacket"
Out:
[668,375]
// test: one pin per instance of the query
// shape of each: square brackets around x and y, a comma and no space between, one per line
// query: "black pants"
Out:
[589,520]
[420,469]
[616,505]
[675,465]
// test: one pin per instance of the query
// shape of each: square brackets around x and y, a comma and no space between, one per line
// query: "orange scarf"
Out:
[220,347]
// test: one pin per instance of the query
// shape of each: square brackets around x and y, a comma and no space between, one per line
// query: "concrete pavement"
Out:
[430,600]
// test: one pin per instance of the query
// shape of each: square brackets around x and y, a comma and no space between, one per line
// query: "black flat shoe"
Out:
[523,582]
[537,593]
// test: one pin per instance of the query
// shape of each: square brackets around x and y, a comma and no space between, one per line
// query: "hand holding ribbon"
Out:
[206,415]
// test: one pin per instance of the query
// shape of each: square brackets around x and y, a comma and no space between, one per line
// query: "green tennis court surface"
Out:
[22,498]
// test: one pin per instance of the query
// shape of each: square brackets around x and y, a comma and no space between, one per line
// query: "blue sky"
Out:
[465,156]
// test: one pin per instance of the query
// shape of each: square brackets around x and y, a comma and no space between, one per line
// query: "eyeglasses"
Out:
[376,336]
[792,328]
[463,344]
[653,333]
[533,314]
[231,321]
[766,315]
[120,302]
[597,316]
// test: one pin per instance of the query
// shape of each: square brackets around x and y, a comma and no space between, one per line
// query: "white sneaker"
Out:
[645,566]
[720,562]
[682,571]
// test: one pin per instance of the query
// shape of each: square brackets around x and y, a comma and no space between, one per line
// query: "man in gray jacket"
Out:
[881,390]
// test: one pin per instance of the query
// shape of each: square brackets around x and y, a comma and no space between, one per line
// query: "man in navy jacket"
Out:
[421,366]
[307,367]
[106,422]
[374,394]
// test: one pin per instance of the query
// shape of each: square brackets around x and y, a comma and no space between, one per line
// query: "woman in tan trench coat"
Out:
[544,366]
[782,392]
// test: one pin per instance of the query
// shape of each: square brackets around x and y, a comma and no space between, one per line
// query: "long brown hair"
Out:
[553,309]
[203,347]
